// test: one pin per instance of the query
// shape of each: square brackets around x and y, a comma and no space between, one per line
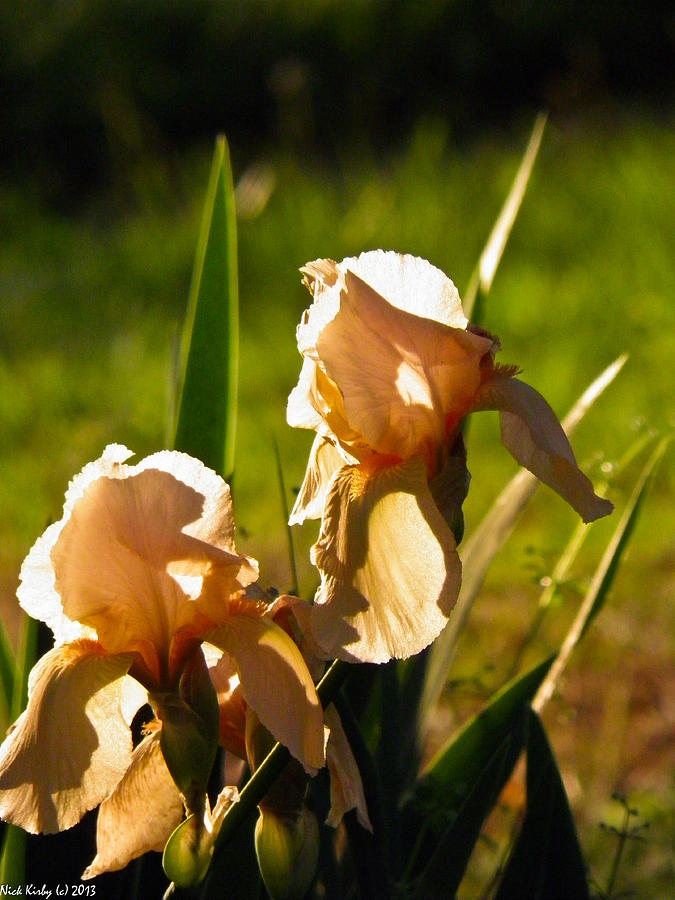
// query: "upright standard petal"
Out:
[532,433]
[72,744]
[37,592]
[275,682]
[135,548]
[401,376]
[408,282]
[390,573]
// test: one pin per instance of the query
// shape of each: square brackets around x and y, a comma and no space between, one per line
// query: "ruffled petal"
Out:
[303,409]
[532,433]
[129,533]
[276,684]
[140,814]
[72,744]
[401,376]
[346,786]
[324,461]
[408,282]
[37,592]
[390,573]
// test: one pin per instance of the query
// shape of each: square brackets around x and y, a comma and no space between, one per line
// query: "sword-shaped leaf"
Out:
[445,869]
[546,861]
[448,780]
[207,408]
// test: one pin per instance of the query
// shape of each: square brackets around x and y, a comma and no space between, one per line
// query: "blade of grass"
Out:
[603,577]
[447,865]
[484,543]
[25,660]
[481,279]
[285,514]
[7,664]
[207,408]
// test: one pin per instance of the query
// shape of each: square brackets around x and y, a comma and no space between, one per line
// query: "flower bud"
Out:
[288,850]
[188,852]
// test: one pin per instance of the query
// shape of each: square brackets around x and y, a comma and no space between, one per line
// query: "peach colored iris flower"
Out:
[391,368]
[139,571]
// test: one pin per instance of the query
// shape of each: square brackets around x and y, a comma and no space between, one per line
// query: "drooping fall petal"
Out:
[390,570]
[72,744]
[532,433]
[141,812]
[276,684]
[346,786]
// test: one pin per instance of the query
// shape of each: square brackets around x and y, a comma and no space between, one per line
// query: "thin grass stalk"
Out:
[483,275]
[570,553]
[602,579]
[558,576]
[292,560]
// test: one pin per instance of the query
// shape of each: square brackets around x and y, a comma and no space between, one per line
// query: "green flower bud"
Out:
[288,852]
[188,852]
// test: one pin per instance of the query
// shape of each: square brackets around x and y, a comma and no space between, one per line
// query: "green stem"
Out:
[622,835]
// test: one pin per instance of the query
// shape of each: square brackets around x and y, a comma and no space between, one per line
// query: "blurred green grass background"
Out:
[92,296]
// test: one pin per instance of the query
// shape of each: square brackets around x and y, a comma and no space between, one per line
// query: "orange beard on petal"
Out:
[365,470]
[489,369]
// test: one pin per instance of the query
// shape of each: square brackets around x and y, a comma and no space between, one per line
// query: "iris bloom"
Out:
[139,571]
[391,368]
